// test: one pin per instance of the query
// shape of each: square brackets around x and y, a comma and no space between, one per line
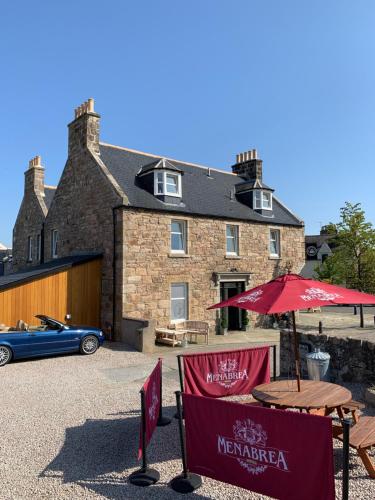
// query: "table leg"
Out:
[367,462]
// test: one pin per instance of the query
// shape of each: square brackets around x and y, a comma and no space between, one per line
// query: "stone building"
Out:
[28,232]
[176,237]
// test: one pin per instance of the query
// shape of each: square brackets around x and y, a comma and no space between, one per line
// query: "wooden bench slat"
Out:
[353,405]
[362,434]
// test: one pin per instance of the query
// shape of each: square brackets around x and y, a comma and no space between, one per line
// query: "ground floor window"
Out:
[179,301]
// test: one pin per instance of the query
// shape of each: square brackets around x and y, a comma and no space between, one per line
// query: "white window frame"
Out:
[54,243]
[184,235]
[278,242]
[165,192]
[29,249]
[185,297]
[259,201]
[38,247]
[236,239]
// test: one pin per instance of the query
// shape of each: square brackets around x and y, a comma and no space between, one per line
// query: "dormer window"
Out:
[167,183]
[262,200]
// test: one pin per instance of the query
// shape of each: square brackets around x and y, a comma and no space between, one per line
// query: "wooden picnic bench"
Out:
[362,438]
[170,336]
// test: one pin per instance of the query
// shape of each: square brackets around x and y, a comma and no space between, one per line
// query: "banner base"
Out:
[186,483]
[163,421]
[144,477]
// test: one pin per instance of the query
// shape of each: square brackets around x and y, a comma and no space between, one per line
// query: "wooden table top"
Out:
[314,394]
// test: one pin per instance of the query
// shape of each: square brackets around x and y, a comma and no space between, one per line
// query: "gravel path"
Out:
[70,429]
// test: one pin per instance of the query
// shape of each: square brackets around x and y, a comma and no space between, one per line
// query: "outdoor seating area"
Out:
[237,389]
[181,332]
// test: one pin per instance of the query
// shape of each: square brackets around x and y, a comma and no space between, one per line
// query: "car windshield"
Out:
[50,323]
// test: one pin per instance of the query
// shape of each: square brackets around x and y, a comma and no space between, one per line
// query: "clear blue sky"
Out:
[199,81]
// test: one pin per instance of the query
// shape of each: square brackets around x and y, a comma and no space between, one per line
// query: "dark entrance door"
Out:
[233,314]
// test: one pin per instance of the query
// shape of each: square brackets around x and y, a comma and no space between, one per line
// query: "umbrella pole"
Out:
[296,352]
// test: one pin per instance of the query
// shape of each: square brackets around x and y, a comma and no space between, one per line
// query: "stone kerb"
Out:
[352,360]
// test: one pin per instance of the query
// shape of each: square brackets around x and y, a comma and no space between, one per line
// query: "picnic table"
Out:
[169,336]
[315,396]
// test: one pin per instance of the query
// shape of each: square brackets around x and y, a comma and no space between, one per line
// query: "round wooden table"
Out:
[313,395]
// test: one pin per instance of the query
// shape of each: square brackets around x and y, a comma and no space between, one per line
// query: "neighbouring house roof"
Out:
[49,193]
[318,239]
[45,269]
[207,192]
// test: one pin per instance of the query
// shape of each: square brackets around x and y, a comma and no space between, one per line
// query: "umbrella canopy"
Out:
[292,292]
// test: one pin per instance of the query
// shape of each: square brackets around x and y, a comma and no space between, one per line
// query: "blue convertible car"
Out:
[52,337]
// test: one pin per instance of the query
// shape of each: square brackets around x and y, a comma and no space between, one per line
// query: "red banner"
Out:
[282,454]
[226,373]
[151,390]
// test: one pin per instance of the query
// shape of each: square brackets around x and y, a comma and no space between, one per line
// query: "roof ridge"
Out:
[167,158]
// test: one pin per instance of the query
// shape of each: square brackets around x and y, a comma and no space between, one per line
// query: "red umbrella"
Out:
[292,292]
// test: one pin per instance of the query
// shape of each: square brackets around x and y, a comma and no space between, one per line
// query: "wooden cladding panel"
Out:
[75,291]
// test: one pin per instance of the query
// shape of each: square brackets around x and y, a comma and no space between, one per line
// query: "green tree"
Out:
[353,261]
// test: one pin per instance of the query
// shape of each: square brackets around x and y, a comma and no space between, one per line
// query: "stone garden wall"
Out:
[352,359]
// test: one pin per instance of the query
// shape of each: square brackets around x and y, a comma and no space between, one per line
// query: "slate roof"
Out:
[318,239]
[45,269]
[202,194]
[49,194]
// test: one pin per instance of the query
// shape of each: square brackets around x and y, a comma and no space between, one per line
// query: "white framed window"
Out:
[274,243]
[167,183]
[262,200]
[55,243]
[179,301]
[29,248]
[178,236]
[232,239]
[38,247]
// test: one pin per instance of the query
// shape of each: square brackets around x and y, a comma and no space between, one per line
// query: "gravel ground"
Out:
[70,429]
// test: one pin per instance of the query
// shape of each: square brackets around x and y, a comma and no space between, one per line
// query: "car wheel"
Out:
[89,344]
[5,355]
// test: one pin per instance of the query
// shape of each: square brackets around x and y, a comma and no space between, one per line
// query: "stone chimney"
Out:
[34,177]
[248,166]
[84,129]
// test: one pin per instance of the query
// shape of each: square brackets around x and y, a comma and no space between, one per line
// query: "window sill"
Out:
[274,257]
[233,257]
[179,255]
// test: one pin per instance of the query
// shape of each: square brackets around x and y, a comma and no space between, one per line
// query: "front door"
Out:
[233,314]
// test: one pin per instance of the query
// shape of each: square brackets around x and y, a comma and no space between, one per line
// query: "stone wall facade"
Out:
[150,268]
[352,359]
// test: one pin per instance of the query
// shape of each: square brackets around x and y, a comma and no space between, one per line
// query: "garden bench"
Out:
[362,438]
[194,328]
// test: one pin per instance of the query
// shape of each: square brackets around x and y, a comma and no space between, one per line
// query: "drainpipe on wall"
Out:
[114,270]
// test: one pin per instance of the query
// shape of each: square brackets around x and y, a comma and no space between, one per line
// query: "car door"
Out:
[53,341]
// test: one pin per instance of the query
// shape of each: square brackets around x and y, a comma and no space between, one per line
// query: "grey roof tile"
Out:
[49,193]
[201,194]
